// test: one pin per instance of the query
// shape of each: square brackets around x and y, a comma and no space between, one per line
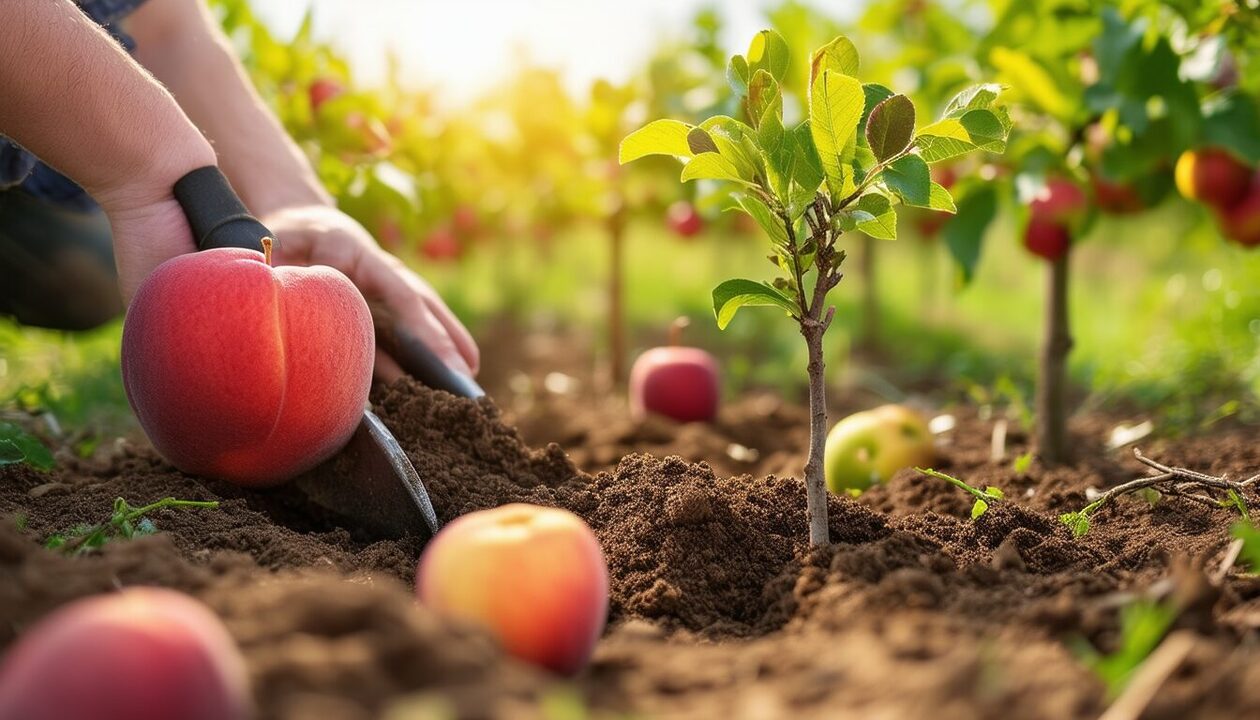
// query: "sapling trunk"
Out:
[1051,398]
[616,298]
[815,480]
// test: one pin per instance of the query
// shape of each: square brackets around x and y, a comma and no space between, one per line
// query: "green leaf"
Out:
[19,446]
[732,295]
[965,232]
[1033,81]
[874,94]
[985,130]
[661,137]
[1077,521]
[835,107]
[941,200]
[769,52]
[765,217]
[979,508]
[711,166]
[1023,463]
[839,56]
[1250,537]
[943,140]
[737,74]
[975,97]
[1230,120]
[699,141]
[764,98]
[890,127]
[911,180]
[883,222]
[994,492]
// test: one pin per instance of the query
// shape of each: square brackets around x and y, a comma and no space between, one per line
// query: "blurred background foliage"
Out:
[504,203]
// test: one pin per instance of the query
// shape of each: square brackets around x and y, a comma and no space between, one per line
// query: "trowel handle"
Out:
[418,360]
[217,217]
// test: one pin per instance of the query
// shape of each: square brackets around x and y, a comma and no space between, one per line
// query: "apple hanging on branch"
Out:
[845,168]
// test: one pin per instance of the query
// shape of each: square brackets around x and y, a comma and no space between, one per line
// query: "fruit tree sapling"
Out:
[842,169]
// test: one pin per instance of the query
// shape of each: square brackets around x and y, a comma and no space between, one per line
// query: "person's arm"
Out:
[81,104]
[180,42]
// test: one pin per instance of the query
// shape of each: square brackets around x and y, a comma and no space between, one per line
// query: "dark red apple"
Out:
[323,90]
[1116,198]
[1060,201]
[675,381]
[1046,238]
[684,219]
[1241,223]
[1212,176]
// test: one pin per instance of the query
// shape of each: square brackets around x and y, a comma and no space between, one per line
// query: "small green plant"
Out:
[1247,532]
[126,522]
[984,497]
[1023,463]
[844,168]
[19,446]
[1143,626]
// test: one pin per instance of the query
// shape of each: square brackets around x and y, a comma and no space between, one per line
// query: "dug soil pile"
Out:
[717,607]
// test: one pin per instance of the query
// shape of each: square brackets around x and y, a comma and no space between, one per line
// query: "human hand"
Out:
[322,235]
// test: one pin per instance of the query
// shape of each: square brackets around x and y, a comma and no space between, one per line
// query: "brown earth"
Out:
[717,608]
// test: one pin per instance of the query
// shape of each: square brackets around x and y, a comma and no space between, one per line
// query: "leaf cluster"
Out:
[125,522]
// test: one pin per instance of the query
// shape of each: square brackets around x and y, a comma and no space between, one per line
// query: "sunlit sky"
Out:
[463,46]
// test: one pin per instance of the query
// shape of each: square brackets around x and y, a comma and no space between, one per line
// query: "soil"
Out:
[717,607]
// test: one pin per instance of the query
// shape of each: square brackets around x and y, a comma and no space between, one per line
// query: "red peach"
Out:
[677,382]
[533,576]
[140,654]
[1213,177]
[245,372]
[684,220]
[1046,239]
[1241,223]
[1060,201]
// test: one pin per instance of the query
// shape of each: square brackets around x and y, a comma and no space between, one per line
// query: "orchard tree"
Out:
[845,168]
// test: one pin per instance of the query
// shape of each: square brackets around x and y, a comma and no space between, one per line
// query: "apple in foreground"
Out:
[681,383]
[245,372]
[1213,177]
[684,219]
[868,447]
[533,576]
[139,654]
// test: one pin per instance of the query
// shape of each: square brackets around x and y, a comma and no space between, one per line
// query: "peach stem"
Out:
[676,330]
[266,243]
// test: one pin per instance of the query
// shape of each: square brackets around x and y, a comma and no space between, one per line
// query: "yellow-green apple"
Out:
[534,577]
[678,382]
[1241,223]
[1213,177]
[138,654]
[1046,238]
[243,371]
[868,447]
[684,219]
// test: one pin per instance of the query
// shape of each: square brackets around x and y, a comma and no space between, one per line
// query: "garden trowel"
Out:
[371,481]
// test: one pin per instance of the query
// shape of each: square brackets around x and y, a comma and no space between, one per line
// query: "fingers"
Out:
[386,370]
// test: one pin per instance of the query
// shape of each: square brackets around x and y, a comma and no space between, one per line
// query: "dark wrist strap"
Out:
[216,215]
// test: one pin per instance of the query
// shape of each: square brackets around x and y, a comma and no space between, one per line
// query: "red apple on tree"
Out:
[675,381]
[684,220]
[323,90]
[1241,223]
[1060,201]
[246,372]
[1046,238]
[1213,177]
[1116,198]
[465,221]
[441,245]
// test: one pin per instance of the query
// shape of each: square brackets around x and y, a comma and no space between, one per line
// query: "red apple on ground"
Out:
[323,90]
[1213,177]
[684,220]
[678,382]
[868,447]
[1046,239]
[245,372]
[1241,223]
[533,576]
[139,654]
[1060,201]
[441,245]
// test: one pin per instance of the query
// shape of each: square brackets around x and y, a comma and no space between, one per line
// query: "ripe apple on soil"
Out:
[245,372]
[1212,176]
[684,219]
[533,576]
[866,448]
[139,654]
[675,381]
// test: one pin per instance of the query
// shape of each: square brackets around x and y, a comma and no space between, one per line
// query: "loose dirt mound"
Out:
[968,615]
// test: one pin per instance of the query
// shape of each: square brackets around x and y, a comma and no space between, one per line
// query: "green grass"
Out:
[1166,316]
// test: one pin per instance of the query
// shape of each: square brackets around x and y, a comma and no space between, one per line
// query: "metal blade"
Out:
[372,482]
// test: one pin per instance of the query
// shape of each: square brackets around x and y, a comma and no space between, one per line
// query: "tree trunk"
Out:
[616,299]
[1051,398]
[815,479]
[868,341]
